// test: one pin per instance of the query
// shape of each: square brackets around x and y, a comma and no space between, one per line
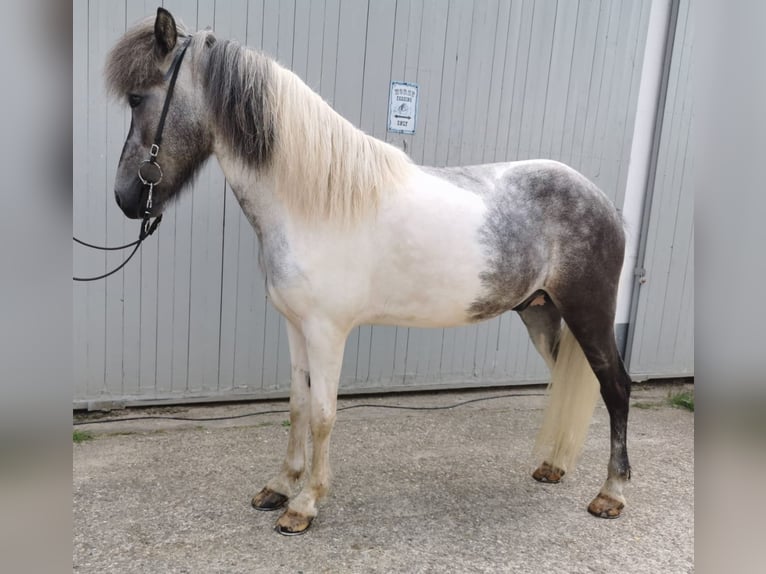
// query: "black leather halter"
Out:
[150,174]
[149,171]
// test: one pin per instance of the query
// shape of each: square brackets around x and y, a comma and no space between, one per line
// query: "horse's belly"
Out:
[429,261]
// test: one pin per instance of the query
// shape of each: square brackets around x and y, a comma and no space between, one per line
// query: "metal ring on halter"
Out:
[148,180]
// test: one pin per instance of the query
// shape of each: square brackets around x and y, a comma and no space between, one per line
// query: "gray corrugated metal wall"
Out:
[499,80]
[663,343]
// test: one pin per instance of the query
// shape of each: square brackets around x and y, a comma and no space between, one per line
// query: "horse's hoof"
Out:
[605,506]
[548,473]
[292,523]
[268,499]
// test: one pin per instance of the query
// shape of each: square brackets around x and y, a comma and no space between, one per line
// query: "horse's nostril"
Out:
[117,199]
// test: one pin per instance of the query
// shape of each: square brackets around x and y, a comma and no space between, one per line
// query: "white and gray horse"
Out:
[352,232]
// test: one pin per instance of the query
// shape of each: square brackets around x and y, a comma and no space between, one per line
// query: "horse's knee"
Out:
[321,425]
[322,418]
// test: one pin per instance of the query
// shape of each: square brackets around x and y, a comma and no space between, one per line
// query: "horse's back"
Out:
[550,199]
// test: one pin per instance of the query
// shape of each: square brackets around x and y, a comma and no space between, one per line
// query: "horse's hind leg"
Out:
[590,317]
[543,321]
[572,394]
[276,492]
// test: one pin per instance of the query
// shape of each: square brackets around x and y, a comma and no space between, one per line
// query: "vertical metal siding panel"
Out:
[598,125]
[382,355]
[496,84]
[399,61]
[398,66]
[584,128]
[271,322]
[363,355]
[377,344]
[434,28]
[281,355]
[239,257]
[481,60]
[683,353]
[520,79]
[206,250]
[251,313]
[586,50]
[80,99]
[423,354]
[653,291]
[559,76]
[244,297]
[474,144]
[617,129]
[315,42]
[95,206]
[178,232]
[663,341]
[464,14]
[449,59]
[634,61]
[510,68]
[255,19]
[270,42]
[147,261]
[536,87]
[300,36]
[608,129]
[329,50]
[113,26]
[678,226]
[349,77]
[412,65]
[503,345]
[285,36]
[424,62]
[383,340]
[454,351]
[132,295]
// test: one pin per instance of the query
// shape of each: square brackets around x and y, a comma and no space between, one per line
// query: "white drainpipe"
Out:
[649,97]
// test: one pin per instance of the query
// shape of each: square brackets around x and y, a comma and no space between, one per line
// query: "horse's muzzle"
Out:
[131,200]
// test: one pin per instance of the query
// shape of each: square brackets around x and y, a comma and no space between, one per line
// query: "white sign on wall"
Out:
[402,107]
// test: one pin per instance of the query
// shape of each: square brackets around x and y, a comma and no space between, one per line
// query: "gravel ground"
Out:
[413,491]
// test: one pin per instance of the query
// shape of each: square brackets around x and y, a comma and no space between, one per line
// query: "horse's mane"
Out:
[323,165]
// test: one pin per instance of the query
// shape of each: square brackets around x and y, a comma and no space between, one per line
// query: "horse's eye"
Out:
[134,100]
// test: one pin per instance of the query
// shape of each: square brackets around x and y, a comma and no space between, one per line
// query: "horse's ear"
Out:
[165,34]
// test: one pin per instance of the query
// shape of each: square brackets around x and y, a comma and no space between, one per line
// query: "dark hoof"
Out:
[604,506]
[292,524]
[267,499]
[548,473]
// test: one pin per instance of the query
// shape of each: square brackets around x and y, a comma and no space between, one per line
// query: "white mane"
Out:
[324,166]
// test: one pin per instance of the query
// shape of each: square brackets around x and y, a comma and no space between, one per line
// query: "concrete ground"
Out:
[413,491]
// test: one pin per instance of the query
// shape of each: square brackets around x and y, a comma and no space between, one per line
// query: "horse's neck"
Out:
[255,191]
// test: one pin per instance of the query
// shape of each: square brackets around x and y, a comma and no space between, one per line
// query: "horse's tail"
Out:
[573,393]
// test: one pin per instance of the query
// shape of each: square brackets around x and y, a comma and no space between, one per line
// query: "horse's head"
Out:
[140,68]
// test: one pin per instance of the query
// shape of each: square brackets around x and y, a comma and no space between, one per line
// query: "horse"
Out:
[352,232]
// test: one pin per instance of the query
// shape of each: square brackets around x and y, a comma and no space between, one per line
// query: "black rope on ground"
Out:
[285,411]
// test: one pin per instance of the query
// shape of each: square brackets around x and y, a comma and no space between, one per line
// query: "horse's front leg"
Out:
[281,487]
[325,355]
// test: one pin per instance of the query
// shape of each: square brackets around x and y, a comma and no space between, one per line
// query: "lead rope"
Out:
[150,174]
[147,228]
